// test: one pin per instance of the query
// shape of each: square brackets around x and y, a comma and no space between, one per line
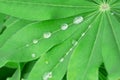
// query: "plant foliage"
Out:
[59,39]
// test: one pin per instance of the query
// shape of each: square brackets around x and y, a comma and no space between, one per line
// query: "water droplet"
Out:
[64,26]
[22,79]
[33,55]
[78,20]
[62,59]
[74,42]
[83,34]
[35,41]
[89,26]
[47,76]
[112,13]
[8,78]
[27,45]
[67,53]
[47,35]
[46,62]
[71,49]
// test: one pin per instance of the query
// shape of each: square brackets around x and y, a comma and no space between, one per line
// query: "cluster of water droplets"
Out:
[65,26]
[46,35]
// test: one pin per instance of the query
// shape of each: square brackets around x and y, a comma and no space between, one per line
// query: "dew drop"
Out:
[74,42]
[62,59]
[27,45]
[89,26]
[67,53]
[46,62]
[112,13]
[64,26]
[71,49]
[47,35]
[8,78]
[33,55]
[35,41]
[78,20]
[22,79]
[47,76]
[83,34]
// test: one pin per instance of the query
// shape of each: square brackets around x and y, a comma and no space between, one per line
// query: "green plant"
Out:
[60,39]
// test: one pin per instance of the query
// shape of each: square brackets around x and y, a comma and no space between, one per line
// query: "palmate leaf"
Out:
[45,9]
[2,19]
[64,51]
[30,40]
[87,56]
[16,75]
[111,47]
[12,28]
[76,50]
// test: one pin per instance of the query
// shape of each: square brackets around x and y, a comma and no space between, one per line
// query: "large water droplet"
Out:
[47,76]
[64,26]
[47,35]
[78,20]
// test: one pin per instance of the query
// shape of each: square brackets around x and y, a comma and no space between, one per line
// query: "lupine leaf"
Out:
[2,19]
[111,47]
[87,56]
[12,29]
[26,38]
[16,75]
[44,9]
[63,40]
[64,51]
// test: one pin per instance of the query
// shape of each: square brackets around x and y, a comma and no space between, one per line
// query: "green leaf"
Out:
[44,9]
[30,40]
[12,29]
[2,19]
[70,41]
[61,58]
[16,75]
[53,62]
[86,59]
[111,47]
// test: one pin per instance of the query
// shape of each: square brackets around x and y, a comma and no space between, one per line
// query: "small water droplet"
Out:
[67,53]
[47,76]
[64,26]
[46,62]
[35,41]
[8,78]
[27,45]
[47,35]
[83,34]
[33,55]
[22,79]
[89,26]
[78,20]
[74,42]
[112,13]
[71,49]
[62,59]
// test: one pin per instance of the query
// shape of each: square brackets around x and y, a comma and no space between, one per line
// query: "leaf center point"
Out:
[104,7]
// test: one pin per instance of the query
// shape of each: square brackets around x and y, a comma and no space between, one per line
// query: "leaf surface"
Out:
[44,9]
